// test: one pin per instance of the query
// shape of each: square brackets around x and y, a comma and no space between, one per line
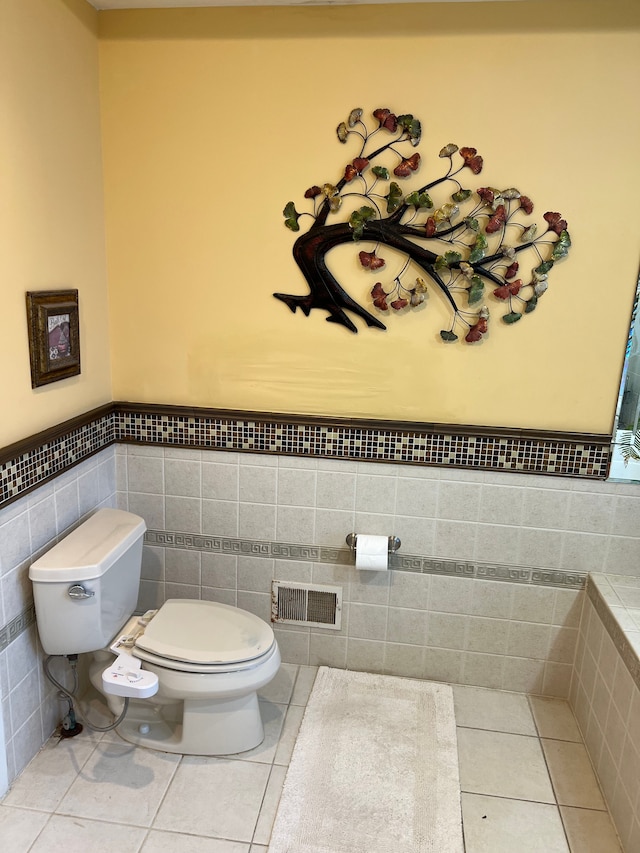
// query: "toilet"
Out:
[191,669]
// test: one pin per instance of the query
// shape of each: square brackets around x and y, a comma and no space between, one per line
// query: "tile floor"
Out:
[527,785]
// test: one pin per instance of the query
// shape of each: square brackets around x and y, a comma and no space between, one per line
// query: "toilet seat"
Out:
[204,669]
[205,637]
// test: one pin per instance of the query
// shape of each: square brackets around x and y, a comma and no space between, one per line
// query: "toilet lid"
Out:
[205,632]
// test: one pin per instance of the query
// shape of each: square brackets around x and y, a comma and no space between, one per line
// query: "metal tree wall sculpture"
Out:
[471,246]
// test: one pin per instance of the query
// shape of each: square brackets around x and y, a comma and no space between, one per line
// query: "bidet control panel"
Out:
[126,678]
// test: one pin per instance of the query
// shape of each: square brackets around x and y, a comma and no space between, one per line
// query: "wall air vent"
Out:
[306,604]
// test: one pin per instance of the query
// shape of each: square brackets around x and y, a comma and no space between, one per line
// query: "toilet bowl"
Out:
[191,670]
[210,660]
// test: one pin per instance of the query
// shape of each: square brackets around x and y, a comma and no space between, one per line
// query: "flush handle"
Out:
[78,592]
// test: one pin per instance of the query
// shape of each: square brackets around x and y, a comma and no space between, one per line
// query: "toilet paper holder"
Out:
[394,542]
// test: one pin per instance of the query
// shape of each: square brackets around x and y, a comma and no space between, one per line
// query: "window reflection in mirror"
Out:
[625,461]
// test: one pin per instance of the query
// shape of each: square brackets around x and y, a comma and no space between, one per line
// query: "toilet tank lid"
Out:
[89,550]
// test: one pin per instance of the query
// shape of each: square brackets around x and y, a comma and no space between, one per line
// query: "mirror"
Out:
[625,461]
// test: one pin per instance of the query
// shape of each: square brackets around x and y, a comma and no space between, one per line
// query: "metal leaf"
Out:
[472,160]
[358,219]
[476,332]
[412,128]
[466,269]
[393,197]
[371,261]
[478,249]
[291,216]
[476,291]
[526,204]
[512,317]
[419,200]
[355,116]
[560,250]
[447,260]
[332,193]
[381,172]
[379,297]
[556,222]
[387,119]
[448,150]
[497,221]
[446,212]
[544,267]
[461,195]
[448,336]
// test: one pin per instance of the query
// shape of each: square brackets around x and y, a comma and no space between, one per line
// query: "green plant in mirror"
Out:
[475,245]
[629,444]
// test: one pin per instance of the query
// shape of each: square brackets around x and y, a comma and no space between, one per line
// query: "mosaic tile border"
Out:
[28,464]
[565,454]
[344,557]
[614,630]
[31,462]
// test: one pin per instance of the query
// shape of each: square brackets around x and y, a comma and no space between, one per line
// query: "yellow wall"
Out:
[51,203]
[214,118]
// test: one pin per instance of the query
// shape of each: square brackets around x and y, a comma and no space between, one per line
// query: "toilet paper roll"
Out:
[372,552]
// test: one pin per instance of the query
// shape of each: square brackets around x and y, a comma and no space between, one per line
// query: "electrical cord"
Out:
[70,697]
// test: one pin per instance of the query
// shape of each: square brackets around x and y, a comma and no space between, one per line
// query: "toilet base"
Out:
[195,726]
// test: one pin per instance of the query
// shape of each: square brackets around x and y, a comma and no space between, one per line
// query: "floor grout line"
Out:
[302,699]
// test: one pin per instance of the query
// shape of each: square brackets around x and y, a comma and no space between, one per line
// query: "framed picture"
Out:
[54,335]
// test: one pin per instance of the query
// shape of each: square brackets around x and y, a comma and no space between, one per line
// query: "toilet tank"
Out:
[86,587]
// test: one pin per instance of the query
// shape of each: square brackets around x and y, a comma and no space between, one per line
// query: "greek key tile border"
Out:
[30,463]
[344,557]
[13,629]
[614,630]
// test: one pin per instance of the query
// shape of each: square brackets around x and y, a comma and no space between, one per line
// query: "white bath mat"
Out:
[374,769]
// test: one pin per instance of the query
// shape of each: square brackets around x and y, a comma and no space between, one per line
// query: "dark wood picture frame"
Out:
[54,335]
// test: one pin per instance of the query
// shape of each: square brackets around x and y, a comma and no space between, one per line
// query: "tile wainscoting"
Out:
[605,698]
[487,589]
[33,461]
[29,526]
[463,628]
[224,524]
[345,557]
